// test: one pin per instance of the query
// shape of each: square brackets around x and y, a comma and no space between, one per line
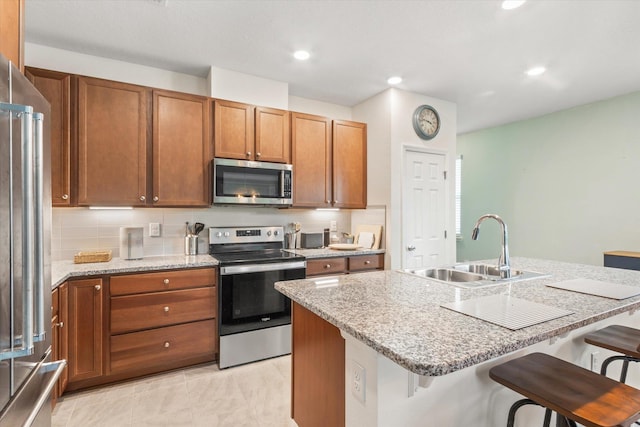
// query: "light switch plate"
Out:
[154,229]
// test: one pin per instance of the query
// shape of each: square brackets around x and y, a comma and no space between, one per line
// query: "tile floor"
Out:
[256,395]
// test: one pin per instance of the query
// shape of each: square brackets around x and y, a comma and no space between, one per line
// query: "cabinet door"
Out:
[12,31]
[56,88]
[273,143]
[182,149]
[233,130]
[349,164]
[112,143]
[311,148]
[85,329]
[63,334]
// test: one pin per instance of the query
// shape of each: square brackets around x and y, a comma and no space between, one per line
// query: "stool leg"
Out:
[514,408]
[625,365]
[562,421]
[547,418]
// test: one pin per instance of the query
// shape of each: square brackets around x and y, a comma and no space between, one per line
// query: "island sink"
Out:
[472,275]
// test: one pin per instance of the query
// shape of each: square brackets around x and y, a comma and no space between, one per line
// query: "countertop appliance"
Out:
[311,240]
[254,320]
[27,375]
[252,183]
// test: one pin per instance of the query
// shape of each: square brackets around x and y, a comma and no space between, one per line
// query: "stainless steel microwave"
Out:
[253,183]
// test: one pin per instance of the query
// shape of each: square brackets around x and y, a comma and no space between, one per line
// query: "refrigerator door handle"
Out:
[57,366]
[39,285]
[21,344]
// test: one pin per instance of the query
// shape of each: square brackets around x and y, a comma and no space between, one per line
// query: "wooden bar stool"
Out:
[620,339]
[573,393]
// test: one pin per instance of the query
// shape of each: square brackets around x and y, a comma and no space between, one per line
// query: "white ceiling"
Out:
[470,52]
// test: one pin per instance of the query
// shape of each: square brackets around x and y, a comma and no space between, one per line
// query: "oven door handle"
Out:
[259,268]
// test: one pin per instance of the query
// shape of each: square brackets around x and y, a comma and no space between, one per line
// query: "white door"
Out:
[423,210]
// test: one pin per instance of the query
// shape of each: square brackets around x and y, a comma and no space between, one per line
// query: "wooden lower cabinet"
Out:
[86,302]
[344,265]
[318,371]
[131,325]
[164,346]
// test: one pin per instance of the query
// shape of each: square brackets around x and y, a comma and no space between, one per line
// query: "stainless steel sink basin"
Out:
[472,275]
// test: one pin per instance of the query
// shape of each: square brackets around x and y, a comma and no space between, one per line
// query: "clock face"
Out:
[426,122]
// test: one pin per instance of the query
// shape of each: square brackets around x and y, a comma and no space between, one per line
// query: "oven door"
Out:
[248,300]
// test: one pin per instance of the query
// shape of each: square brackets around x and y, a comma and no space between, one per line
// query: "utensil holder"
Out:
[191,245]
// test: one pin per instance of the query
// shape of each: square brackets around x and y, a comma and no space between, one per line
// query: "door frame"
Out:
[448,197]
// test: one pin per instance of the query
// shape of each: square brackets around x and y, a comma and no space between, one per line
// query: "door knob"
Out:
[411,248]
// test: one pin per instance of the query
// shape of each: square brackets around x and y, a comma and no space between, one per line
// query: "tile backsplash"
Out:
[81,229]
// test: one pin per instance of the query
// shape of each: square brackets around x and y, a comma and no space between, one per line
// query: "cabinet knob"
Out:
[167,344]
[165,281]
[60,325]
[155,198]
[166,309]
[258,154]
[248,153]
[97,287]
[327,201]
[327,266]
[367,262]
[142,198]
[65,196]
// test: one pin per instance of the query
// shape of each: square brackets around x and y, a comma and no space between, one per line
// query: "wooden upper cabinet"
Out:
[233,130]
[12,31]
[349,164]
[182,149]
[112,143]
[56,88]
[273,143]
[245,132]
[311,149]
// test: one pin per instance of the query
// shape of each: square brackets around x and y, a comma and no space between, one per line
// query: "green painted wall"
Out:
[567,184]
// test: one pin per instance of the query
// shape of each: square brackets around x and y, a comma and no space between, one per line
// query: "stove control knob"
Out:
[219,234]
[276,233]
[226,234]
[269,233]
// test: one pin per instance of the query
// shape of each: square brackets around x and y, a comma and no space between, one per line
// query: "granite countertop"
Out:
[399,315]
[328,253]
[64,270]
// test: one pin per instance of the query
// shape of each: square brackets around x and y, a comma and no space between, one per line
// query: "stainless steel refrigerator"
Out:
[27,374]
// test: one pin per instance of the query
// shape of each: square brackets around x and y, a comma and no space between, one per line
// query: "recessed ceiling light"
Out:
[394,80]
[301,55]
[536,71]
[512,4]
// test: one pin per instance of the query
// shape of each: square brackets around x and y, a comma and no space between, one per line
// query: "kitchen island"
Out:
[408,361]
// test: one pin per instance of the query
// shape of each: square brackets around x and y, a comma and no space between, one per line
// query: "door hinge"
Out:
[445,174]
[445,234]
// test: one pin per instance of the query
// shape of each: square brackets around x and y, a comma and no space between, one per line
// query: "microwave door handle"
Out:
[282,177]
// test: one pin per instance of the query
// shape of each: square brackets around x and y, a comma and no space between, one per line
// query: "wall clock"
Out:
[426,122]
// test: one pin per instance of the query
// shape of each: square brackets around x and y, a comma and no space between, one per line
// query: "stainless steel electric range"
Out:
[254,319]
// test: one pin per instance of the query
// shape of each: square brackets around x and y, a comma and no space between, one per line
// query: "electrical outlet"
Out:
[154,229]
[333,226]
[595,361]
[358,381]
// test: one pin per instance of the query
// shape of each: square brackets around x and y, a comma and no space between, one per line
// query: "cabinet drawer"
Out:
[167,345]
[162,281]
[135,312]
[316,267]
[366,262]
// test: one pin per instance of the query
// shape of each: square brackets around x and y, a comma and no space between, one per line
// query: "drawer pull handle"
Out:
[327,266]
[98,287]
[166,309]
[165,281]
[166,344]
[367,262]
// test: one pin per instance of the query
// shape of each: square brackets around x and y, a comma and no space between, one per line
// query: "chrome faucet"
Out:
[503,263]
